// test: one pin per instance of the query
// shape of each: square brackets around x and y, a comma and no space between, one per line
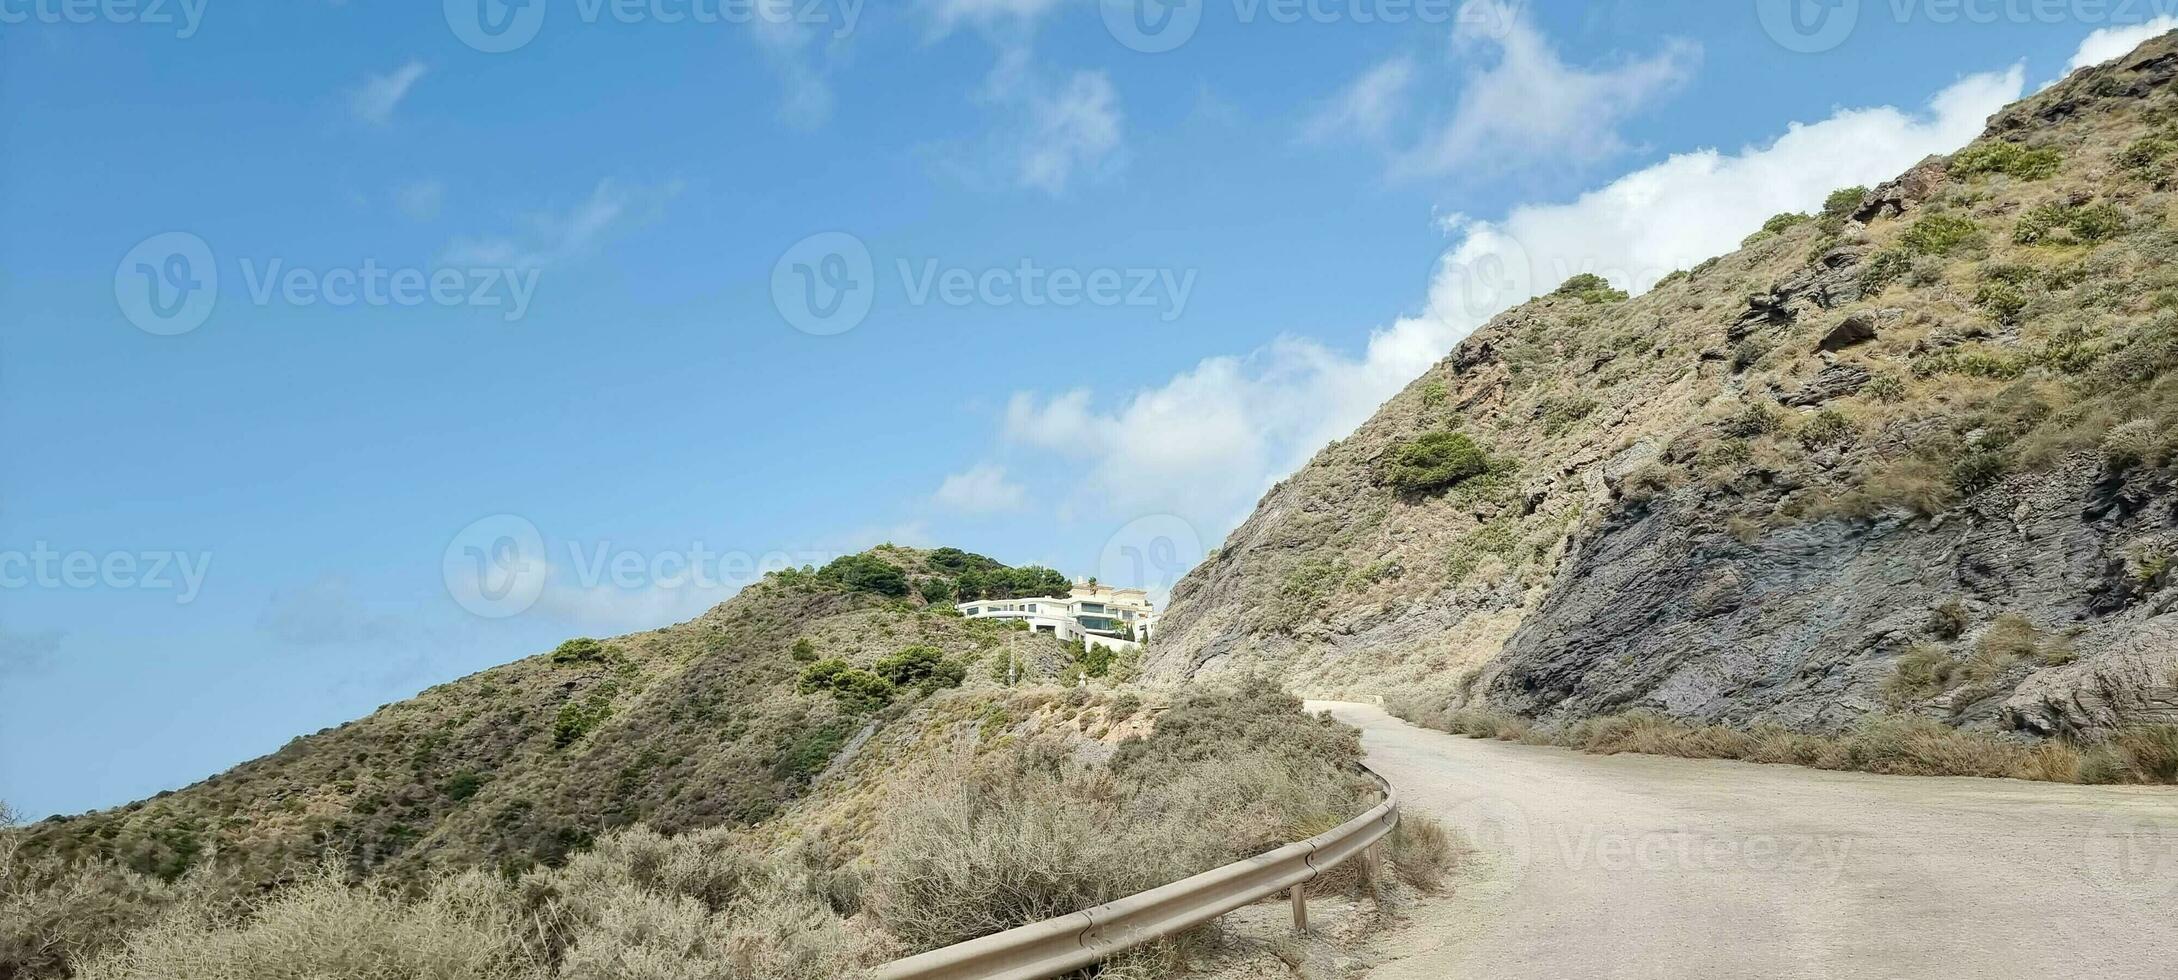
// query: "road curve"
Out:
[1642,867]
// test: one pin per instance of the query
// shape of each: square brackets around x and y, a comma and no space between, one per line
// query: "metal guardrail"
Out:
[1056,946]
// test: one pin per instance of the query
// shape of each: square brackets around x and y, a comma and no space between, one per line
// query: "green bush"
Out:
[1825,429]
[2009,159]
[581,650]
[854,688]
[805,651]
[954,561]
[1844,201]
[1777,225]
[1939,234]
[802,755]
[1887,388]
[921,667]
[1591,289]
[937,591]
[1012,583]
[866,573]
[1979,471]
[463,786]
[1434,461]
[1885,268]
[2081,225]
[580,718]
[1756,419]
[2003,300]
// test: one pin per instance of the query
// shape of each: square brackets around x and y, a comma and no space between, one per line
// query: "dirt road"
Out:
[1642,867]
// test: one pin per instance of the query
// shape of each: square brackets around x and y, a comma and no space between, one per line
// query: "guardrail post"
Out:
[1300,908]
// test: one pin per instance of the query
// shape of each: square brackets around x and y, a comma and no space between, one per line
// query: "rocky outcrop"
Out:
[1664,608]
[1907,434]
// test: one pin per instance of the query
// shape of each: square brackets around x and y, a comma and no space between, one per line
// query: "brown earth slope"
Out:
[703,724]
[1914,454]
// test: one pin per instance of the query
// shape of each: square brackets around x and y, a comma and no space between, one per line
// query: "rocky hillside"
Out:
[1913,454]
[717,722]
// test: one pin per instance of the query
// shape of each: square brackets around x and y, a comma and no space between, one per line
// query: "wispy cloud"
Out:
[983,489]
[374,101]
[1073,132]
[553,236]
[1530,106]
[1366,107]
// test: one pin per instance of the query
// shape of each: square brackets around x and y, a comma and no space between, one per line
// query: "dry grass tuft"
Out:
[1888,744]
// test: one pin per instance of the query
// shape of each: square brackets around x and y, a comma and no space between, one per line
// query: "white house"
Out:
[1091,613]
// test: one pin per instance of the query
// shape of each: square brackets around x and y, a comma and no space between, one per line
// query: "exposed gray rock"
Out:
[1664,609]
[1851,332]
[1835,381]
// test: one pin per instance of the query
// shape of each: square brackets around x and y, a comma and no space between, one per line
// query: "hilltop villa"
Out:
[1121,619]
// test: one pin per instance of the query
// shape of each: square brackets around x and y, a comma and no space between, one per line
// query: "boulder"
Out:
[1850,332]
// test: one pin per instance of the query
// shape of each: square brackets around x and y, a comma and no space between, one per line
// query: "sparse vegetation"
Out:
[964,846]
[1887,744]
[2008,159]
[1939,234]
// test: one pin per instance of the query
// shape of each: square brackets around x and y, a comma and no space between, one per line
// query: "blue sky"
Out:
[503,344]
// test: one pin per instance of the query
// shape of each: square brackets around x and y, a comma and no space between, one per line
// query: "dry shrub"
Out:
[1889,744]
[463,928]
[53,910]
[1421,851]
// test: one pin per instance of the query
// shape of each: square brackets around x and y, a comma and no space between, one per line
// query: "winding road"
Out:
[1641,867]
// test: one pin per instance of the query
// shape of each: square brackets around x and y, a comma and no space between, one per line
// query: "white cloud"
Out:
[1531,106]
[421,199]
[1366,107]
[1207,442]
[373,101]
[552,236]
[2116,42]
[982,489]
[806,97]
[1075,130]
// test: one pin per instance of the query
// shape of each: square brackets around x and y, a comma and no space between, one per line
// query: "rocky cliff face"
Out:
[1912,454]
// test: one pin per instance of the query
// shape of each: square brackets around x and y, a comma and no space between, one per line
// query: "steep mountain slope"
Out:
[703,724]
[1913,454]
